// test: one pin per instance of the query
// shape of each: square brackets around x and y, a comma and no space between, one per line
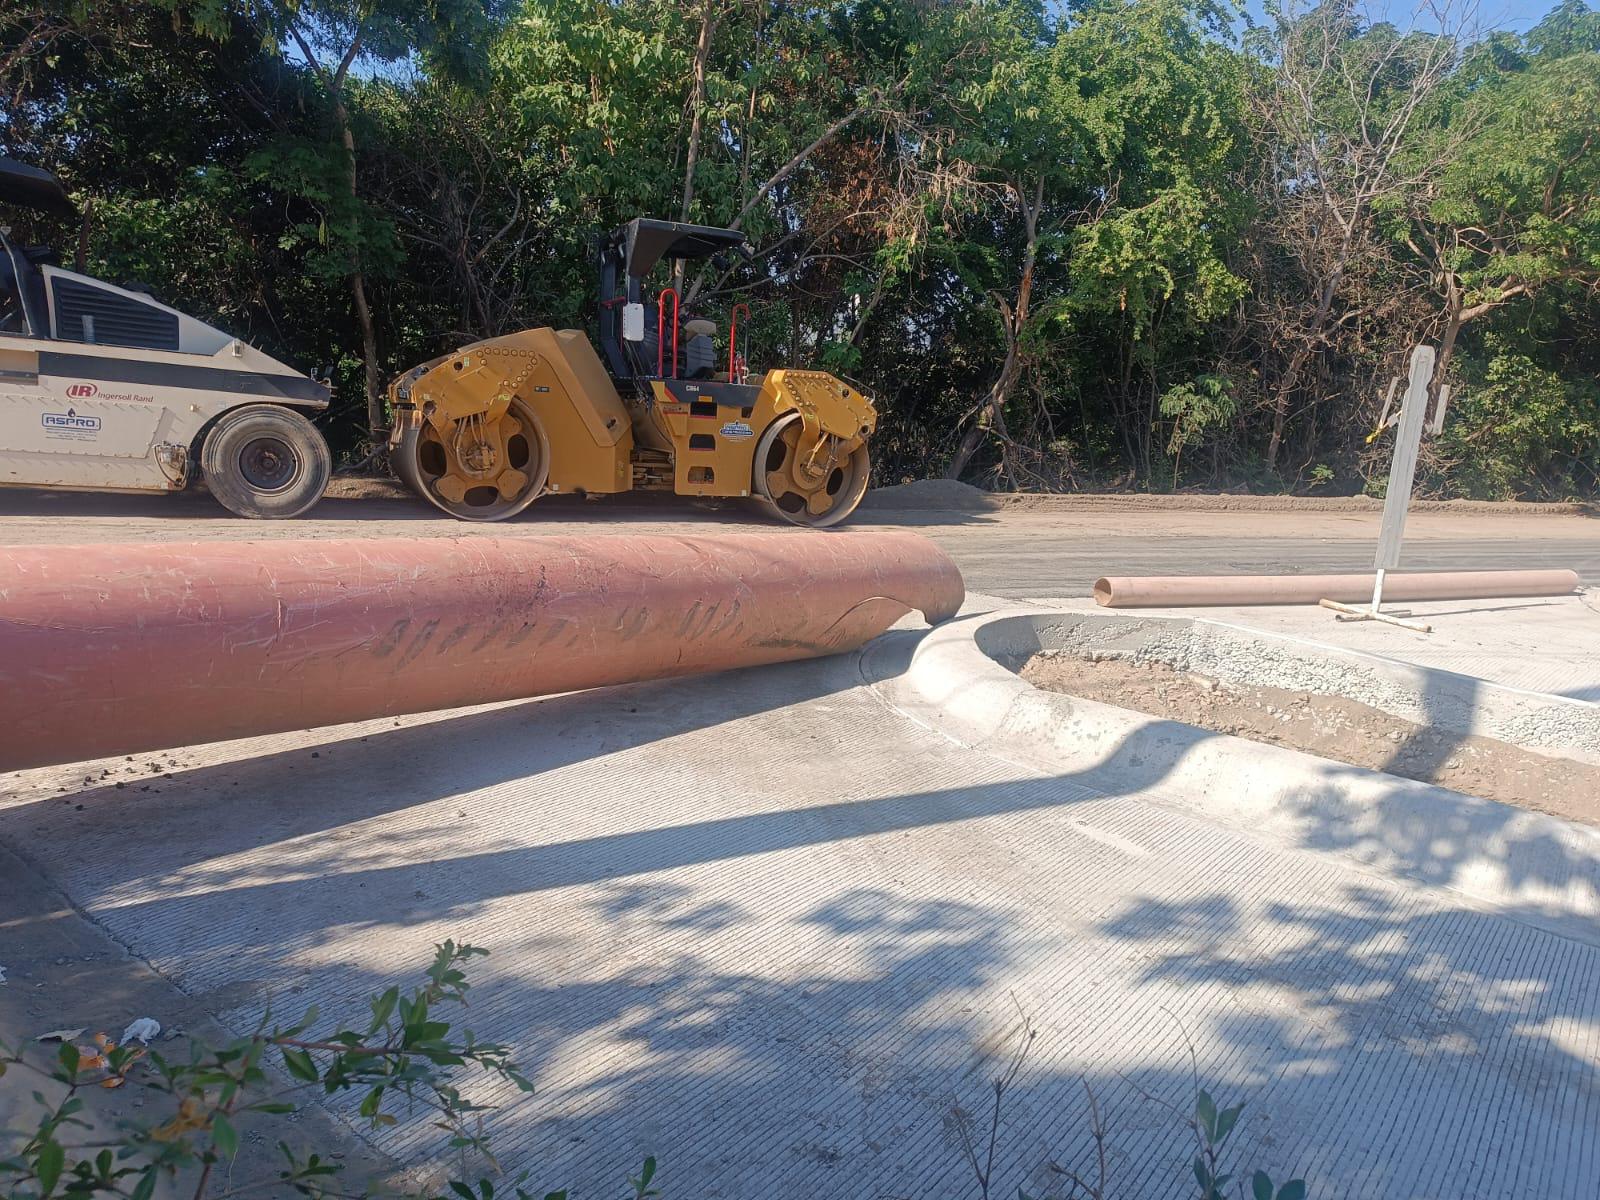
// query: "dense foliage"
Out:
[1107,243]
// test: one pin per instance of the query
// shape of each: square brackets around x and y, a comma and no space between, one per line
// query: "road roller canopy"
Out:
[640,244]
[625,256]
[29,187]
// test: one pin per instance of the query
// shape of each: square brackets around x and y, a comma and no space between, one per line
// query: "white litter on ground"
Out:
[144,1029]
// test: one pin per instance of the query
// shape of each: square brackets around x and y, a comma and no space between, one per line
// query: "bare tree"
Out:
[464,203]
[1338,115]
[696,103]
[1029,201]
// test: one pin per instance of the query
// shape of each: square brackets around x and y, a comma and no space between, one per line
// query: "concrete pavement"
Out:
[772,929]
[780,930]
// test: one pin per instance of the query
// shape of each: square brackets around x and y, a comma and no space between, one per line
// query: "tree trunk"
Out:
[746,137]
[1297,361]
[334,82]
[1447,340]
[1012,319]
[994,404]
[80,262]
[1280,402]
[376,425]
[1457,314]
[697,104]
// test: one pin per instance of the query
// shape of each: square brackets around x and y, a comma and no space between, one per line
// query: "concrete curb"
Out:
[1429,696]
[1545,869]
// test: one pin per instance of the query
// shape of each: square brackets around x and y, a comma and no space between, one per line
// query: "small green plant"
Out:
[1196,407]
[640,1183]
[1213,1127]
[403,1050]
[1321,475]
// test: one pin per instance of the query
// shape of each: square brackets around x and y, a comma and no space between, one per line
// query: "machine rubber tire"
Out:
[265,462]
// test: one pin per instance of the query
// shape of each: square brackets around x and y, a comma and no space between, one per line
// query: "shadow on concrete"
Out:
[1436,1050]
[824,1036]
[1427,610]
[318,786]
[1409,828]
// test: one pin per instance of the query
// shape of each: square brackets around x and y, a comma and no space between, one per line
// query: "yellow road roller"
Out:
[666,405]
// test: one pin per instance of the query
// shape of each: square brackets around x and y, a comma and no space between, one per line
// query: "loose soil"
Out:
[1331,727]
[369,487]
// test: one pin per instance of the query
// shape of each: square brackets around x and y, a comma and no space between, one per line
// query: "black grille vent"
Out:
[90,314]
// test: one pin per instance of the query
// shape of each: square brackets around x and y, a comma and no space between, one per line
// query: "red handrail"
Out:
[661,332]
[733,339]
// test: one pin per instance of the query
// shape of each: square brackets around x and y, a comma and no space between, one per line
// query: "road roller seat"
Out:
[700,350]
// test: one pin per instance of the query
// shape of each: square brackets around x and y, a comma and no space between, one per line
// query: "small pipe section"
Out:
[114,649]
[1199,591]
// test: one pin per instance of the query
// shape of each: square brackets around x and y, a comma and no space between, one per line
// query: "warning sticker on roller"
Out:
[737,431]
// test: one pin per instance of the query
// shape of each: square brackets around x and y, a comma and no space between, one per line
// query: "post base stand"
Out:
[1353,612]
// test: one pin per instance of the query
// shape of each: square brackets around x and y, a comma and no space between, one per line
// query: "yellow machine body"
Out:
[712,429]
[556,374]
[460,419]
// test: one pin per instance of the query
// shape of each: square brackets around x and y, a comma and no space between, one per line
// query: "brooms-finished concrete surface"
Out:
[768,928]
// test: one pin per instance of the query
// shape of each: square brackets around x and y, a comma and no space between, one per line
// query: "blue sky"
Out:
[1516,15]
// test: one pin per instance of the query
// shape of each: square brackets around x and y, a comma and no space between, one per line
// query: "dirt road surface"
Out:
[1005,552]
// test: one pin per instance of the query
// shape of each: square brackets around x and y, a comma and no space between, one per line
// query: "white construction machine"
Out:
[104,389]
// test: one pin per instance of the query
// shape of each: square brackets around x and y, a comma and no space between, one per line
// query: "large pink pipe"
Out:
[1180,591]
[111,649]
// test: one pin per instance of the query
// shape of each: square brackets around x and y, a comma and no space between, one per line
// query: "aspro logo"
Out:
[82,391]
[69,420]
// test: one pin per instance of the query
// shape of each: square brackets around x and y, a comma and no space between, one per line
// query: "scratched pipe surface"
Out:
[113,649]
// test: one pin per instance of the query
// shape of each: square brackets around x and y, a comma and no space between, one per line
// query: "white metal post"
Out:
[1397,500]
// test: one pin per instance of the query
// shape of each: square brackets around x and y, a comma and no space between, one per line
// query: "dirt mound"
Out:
[945,495]
[1331,727]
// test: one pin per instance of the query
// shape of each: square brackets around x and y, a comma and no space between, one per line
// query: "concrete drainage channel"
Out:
[962,681]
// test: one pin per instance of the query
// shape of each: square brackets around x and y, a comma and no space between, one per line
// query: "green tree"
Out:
[1515,213]
[450,36]
[1106,142]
